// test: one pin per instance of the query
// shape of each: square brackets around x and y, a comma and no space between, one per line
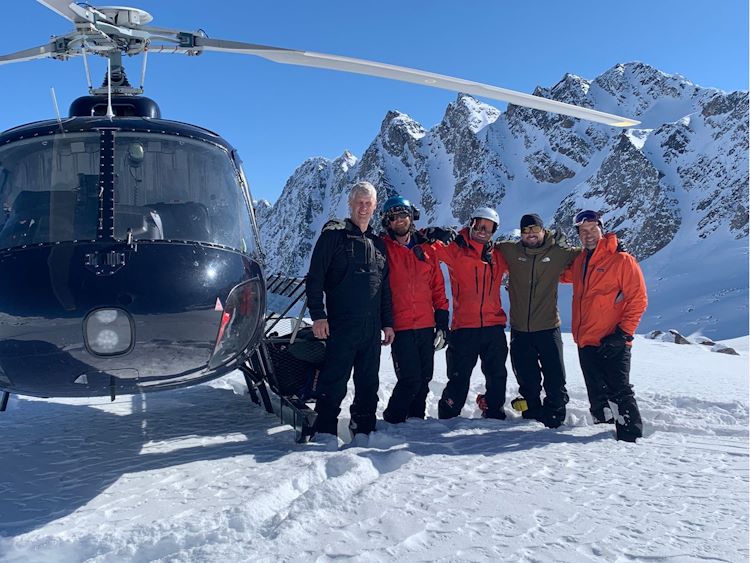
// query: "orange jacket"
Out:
[475,284]
[613,293]
[417,286]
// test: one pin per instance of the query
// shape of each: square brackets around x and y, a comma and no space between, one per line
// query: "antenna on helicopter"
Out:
[57,110]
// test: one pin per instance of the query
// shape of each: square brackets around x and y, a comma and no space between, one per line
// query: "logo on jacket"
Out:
[545,259]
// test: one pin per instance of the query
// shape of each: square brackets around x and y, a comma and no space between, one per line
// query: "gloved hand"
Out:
[487,253]
[461,241]
[559,237]
[621,246]
[441,329]
[613,343]
[441,339]
[444,235]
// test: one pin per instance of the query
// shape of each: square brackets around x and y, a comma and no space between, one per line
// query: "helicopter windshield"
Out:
[174,188]
[166,187]
[48,189]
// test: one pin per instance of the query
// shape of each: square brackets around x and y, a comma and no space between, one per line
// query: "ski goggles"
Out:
[532,229]
[585,217]
[396,215]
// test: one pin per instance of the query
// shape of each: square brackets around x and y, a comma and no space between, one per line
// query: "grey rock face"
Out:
[635,204]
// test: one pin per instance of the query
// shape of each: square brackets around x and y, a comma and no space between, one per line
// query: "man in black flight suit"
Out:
[349,266]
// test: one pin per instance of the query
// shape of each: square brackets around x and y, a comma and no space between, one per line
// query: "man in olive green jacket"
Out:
[535,264]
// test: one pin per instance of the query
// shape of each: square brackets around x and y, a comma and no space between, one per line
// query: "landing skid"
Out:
[4,400]
[272,364]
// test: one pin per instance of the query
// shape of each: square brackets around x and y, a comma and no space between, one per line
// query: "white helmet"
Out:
[485,213]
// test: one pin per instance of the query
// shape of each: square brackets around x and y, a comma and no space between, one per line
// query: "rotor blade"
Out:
[41,52]
[61,8]
[360,66]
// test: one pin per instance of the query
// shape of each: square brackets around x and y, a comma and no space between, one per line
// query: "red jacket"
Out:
[613,293]
[475,284]
[417,286]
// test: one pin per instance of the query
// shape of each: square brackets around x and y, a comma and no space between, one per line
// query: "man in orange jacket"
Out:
[609,299]
[420,309]
[478,326]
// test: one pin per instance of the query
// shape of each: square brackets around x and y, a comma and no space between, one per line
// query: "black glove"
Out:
[441,329]
[487,253]
[621,246]
[558,236]
[441,320]
[444,235]
[614,343]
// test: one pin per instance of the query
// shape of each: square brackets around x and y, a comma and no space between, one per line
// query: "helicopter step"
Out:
[288,358]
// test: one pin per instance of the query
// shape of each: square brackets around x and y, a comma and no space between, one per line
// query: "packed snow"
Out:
[202,474]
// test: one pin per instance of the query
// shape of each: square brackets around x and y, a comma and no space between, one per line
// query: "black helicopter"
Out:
[129,252]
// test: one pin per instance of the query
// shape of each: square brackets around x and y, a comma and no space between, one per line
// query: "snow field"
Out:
[202,474]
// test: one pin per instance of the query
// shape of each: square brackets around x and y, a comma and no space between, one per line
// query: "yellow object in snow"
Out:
[519,404]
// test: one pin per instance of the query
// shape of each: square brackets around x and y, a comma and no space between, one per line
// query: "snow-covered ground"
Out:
[202,474]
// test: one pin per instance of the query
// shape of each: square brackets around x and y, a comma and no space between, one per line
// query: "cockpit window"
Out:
[174,188]
[49,189]
[166,187]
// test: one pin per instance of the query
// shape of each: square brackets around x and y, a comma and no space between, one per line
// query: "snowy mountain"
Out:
[675,189]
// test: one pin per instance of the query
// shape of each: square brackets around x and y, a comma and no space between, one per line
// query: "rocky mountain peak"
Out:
[678,181]
[397,131]
[468,112]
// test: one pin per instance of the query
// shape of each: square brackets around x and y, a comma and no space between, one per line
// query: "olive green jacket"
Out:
[532,285]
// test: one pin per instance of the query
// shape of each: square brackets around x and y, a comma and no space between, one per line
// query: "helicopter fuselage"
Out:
[128,257]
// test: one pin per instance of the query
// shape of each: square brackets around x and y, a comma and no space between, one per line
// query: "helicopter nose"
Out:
[108,332]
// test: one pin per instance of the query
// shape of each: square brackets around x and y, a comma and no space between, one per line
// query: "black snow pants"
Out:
[608,381]
[353,342]
[465,345]
[413,360]
[532,355]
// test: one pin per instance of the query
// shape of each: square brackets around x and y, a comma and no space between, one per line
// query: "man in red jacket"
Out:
[609,299]
[420,309]
[478,326]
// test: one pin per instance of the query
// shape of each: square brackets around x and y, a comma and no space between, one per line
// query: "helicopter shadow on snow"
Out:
[57,457]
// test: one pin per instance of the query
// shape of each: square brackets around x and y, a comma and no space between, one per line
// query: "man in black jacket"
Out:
[349,266]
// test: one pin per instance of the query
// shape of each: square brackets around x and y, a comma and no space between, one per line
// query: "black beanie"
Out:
[531,219]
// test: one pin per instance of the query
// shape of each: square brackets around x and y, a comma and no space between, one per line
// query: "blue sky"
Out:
[278,115]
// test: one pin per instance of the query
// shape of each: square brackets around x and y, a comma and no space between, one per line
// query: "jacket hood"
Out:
[607,245]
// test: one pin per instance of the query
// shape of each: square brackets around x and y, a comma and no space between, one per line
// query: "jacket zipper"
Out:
[481,303]
[531,292]
[586,273]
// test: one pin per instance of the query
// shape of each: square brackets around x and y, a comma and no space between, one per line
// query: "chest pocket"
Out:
[603,282]
[363,256]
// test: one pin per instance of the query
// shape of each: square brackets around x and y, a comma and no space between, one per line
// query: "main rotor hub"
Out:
[124,15]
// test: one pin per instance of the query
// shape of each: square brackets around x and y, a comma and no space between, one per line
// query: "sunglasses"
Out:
[396,216]
[531,229]
[586,216]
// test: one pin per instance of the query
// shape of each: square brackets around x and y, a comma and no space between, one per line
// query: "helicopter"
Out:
[130,258]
